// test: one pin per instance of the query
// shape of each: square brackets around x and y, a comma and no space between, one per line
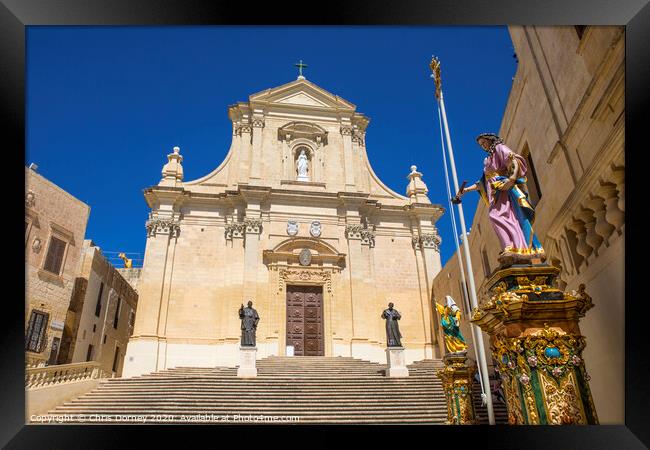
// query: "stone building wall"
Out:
[87,325]
[132,276]
[50,212]
[566,112]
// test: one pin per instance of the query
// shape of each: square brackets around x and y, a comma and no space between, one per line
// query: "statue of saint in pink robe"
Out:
[509,210]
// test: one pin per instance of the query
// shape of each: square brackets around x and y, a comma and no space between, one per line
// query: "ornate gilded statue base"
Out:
[537,344]
[457,379]
[396,363]
[247,358]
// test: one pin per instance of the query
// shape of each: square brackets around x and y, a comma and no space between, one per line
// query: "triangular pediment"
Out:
[301,93]
[301,98]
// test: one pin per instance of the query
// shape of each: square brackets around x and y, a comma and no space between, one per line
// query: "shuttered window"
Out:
[35,337]
[117,312]
[98,306]
[89,353]
[115,358]
[54,257]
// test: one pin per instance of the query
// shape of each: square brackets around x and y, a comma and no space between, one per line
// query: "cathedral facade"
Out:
[296,221]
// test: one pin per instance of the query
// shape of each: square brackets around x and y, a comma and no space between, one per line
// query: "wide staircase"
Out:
[304,390]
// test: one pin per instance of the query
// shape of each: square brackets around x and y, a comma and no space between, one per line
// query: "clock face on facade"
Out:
[305,257]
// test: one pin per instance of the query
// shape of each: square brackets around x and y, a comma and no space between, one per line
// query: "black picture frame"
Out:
[15,15]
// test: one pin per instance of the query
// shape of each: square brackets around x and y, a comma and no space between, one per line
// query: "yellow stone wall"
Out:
[566,107]
[50,211]
[88,329]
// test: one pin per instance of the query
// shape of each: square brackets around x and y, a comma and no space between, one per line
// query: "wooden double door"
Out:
[305,320]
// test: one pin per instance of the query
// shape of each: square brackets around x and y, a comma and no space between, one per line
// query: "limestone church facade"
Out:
[295,220]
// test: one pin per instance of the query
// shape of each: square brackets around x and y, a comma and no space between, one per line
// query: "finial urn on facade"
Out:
[172,172]
[417,189]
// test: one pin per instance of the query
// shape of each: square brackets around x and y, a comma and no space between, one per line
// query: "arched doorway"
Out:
[305,271]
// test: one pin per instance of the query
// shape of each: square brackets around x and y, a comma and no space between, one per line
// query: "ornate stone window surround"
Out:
[64,235]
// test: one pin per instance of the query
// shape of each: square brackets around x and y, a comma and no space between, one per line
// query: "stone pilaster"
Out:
[146,349]
[256,157]
[246,153]
[353,235]
[457,379]
[537,344]
[253,228]
[346,136]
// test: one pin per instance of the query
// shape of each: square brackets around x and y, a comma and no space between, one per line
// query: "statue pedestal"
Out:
[247,367]
[457,379]
[537,345]
[396,363]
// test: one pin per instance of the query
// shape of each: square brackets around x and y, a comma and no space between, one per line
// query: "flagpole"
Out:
[435,67]
[473,329]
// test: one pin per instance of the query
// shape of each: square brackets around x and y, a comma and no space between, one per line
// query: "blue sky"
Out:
[105,105]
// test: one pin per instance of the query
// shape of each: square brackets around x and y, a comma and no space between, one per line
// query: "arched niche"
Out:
[295,151]
[296,136]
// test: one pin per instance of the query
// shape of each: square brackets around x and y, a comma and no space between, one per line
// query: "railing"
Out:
[63,373]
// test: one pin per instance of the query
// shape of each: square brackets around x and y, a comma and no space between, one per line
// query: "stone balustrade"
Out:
[597,215]
[63,373]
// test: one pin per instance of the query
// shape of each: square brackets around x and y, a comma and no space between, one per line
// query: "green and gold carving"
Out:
[537,345]
[457,379]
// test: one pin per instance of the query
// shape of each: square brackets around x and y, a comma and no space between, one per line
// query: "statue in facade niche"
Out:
[393,335]
[503,188]
[303,166]
[249,319]
[450,321]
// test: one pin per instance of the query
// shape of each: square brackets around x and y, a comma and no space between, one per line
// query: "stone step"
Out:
[275,410]
[317,390]
[265,400]
[276,386]
[263,381]
[275,394]
[285,389]
[313,394]
[290,381]
[264,394]
[198,408]
[423,419]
